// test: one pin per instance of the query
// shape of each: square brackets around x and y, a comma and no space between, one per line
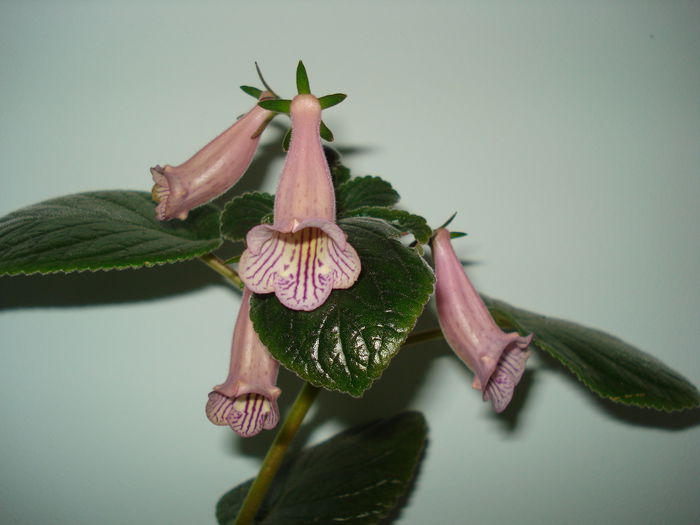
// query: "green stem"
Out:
[275,454]
[426,335]
[220,267]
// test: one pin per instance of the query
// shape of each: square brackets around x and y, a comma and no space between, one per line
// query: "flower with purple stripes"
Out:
[247,400]
[213,169]
[497,359]
[303,255]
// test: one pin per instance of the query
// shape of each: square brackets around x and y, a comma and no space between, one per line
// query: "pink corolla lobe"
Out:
[213,169]
[247,400]
[496,358]
[304,254]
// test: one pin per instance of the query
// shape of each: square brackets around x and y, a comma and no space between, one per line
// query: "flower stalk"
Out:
[223,269]
[275,454]
[425,335]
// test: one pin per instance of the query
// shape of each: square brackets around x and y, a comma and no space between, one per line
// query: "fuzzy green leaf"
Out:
[346,343]
[607,365]
[339,173]
[401,219]
[364,191]
[356,477]
[101,230]
[243,212]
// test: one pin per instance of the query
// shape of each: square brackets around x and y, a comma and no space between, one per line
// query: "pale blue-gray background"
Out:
[567,135]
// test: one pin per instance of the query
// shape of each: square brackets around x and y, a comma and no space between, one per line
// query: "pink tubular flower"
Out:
[247,400]
[497,359]
[303,255]
[212,170]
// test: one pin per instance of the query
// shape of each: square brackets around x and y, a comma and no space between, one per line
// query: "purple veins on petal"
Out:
[219,408]
[501,385]
[250,415]
[247,415]
[301,267]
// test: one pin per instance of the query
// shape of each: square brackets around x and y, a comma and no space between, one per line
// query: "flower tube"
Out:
[213,169]
[496,358]
[303,255]
[247,400]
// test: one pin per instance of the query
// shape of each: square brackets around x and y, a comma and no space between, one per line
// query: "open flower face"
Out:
[303,255]
[247,400]
[212,170]
[497,359]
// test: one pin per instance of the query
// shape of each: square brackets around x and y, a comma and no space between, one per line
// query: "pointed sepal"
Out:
[303,87]
[252,91]
[279,105]
[328,101]
[326,134]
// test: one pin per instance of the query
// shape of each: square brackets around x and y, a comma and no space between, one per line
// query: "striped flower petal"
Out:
[499,390]
[247,415]
[300,267]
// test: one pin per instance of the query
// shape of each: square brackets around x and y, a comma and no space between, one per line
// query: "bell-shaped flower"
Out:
[304,254]
[213,169]
[496,358]
[247,400]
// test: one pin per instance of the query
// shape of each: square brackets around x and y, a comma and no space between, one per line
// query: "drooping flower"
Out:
[496,358]
[247,400]
[213,169]
[303,255]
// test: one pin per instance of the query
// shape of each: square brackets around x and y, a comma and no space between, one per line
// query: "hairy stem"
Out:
[220,267]
[275,454]
[426,335]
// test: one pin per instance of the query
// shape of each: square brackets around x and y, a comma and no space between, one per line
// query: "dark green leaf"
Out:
[303,87]
[356,477]
[243,212]
[403,220]
[101,230]
[276,104]
[326,134]
[252,91]
[329,101]
[457,235]
[608,366]
[346,343]
[339,172]
[287,140]
[364,191]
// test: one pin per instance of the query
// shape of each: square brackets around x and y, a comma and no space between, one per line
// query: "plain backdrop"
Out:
[566,135]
